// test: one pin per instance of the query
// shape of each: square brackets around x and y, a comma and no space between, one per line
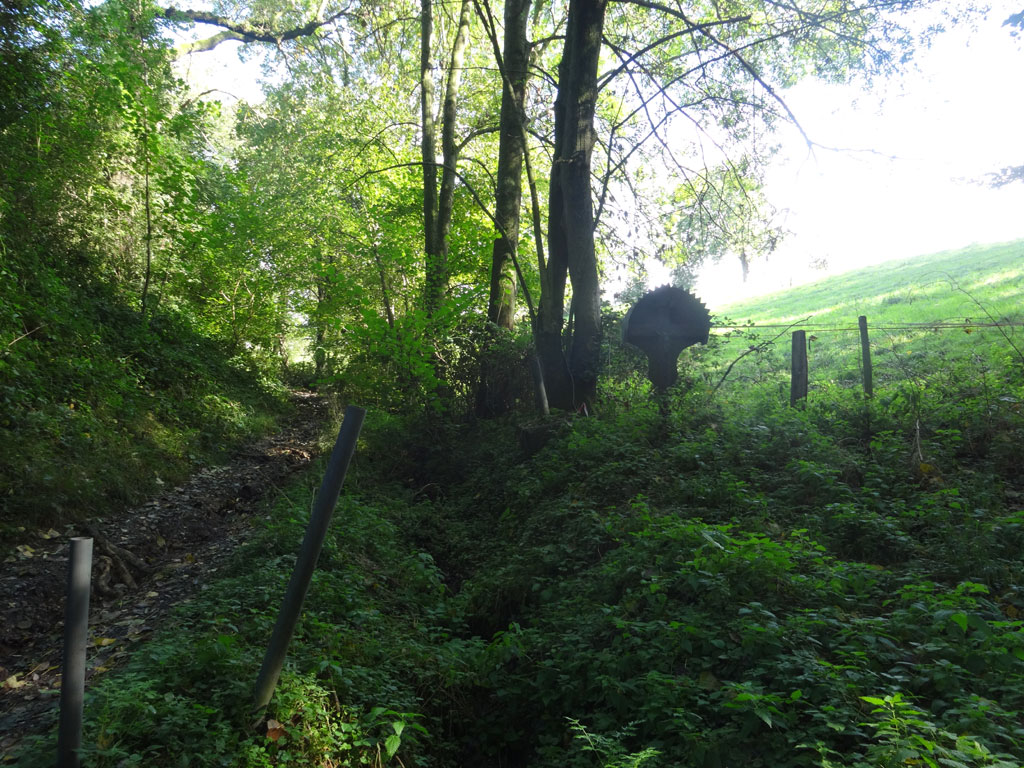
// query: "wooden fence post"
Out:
[865,354]
[798,380]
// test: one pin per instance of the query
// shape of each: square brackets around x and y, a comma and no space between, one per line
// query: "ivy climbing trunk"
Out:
[572,381]
[511,145]
[494,396]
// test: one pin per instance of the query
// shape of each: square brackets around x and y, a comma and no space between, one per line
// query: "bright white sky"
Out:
[959,116]
[902,189]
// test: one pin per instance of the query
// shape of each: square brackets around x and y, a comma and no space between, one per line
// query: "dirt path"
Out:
[144,562]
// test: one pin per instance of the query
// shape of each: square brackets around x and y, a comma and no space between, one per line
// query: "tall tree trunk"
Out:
[428,150]
[493,395]
[572,383]
[389,311]
[509,186]
[437,231]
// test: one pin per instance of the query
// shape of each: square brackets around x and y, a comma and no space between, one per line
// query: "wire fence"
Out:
[936,326]
[898,354]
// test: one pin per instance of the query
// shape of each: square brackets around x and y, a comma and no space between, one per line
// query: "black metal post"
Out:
[320,519]
[76,630]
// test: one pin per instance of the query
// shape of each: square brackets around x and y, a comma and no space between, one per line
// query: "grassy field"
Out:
[941,287]
[940,308]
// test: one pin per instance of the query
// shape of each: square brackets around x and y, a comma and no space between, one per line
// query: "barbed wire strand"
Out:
[941,326]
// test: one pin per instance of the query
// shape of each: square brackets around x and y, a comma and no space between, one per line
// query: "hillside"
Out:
[928,288]
[951,314]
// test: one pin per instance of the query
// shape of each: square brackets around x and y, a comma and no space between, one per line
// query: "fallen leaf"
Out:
[13,682]
[152,594]
[102,642]
[274,730]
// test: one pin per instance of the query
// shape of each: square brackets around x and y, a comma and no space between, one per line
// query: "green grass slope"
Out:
[926,289]
[953,314]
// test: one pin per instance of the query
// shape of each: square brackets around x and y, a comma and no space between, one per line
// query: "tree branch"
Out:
[240,30]
[691,28]
[474,134]
[207,44]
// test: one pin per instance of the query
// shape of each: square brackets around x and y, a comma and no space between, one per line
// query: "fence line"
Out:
[905,327]
[803,330]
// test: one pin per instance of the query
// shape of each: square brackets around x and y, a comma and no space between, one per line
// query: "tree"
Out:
[97,139]
[513,65]
[573,382]
[438,205]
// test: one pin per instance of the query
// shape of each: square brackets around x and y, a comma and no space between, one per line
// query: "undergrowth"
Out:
[369,656]
[713,581]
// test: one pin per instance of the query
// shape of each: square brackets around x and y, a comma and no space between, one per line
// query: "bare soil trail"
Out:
[145,561]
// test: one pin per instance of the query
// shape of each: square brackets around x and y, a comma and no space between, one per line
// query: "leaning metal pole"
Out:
[320,519]
[76,630]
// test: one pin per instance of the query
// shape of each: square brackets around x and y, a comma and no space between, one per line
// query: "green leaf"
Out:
[960,619]
[391,745]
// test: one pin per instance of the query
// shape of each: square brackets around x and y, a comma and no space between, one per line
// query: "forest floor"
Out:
[145,561]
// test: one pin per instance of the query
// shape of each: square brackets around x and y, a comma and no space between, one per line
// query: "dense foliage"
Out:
[109,355]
